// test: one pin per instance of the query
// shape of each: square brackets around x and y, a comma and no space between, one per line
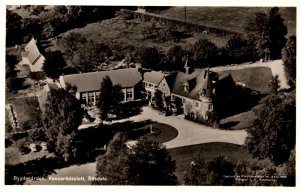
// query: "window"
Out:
[97,97]
[129,94]
[83,97]
[197,104]
[91,98]
[210,107]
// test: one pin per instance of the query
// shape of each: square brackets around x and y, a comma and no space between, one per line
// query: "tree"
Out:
[290,170]
[113,165]
[239,50]
[205,53]
[178,105]
[151,164]
[148,57]
[267,32]
[110,96]
[272,134]
[274,84]
[146,163]
[158,99]
[289,59]
[72,42]
[63,116]
[10,72]
[175,55]
[219,171]
[54,64]
[89,56]
[13,28]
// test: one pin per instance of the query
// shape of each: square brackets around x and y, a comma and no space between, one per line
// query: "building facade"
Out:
[89,84]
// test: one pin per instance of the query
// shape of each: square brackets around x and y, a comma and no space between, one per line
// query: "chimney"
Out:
[186,66]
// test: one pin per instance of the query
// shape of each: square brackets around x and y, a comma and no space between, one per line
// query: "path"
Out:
[190,133]
[276,67]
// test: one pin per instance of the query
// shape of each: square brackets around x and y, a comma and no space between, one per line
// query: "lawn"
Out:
[160,132]
[231,18]
[27,108]
[256,78]
[237,122]
[184,155]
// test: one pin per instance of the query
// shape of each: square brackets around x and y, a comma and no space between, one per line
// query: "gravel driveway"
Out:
[190,133]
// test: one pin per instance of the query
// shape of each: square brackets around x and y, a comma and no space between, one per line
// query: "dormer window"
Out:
[203,93]
[186,87]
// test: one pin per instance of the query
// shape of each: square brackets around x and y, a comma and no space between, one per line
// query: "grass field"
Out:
[256,78]
[26,108]
[231,18]
[184,155]
[239,121]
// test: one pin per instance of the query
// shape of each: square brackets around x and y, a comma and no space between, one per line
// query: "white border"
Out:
[250,3]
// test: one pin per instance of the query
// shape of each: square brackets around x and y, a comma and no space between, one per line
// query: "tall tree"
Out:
[273,132]
[267,32]
[146,163]
[205,53]
[110,96]
[158,99]
[89,56]
[13,28]
[274,84]
[148,57]
[175,55]
[54,64]
[63,116]
[289,58]
[239,50]
[210,172]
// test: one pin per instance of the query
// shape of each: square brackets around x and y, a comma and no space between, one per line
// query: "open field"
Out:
[231,18]
[184,155]
[27,108]
[124,33]
[256,78]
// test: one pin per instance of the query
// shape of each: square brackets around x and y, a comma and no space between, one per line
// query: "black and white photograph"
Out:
[138,95]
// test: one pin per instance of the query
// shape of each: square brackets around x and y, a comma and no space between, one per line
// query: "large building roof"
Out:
[153,77]
[86,82]
[197,81]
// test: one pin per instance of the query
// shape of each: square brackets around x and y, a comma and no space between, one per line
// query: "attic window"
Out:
[186,87]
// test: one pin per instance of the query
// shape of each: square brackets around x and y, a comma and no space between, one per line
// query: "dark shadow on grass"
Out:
[229,125]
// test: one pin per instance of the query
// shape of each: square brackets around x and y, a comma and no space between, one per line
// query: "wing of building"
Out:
[32,56]
[89,84]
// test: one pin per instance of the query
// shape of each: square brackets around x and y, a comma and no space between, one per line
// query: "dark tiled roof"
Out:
[171,79]
[200,81]
[33,52]
[86,82]
[154,77]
